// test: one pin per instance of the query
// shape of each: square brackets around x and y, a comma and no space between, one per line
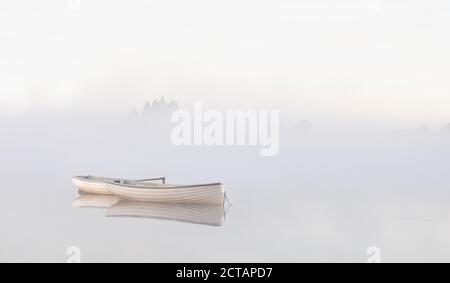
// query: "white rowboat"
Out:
[99,185]
[165,193]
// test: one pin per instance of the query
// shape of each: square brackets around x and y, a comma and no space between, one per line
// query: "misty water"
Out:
[325,198]
[360,173]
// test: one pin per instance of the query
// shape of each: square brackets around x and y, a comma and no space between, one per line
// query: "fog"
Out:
[381,61]
[364,140]
[325,197]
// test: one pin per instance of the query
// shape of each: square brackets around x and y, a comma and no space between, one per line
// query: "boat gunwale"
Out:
[106,180]
[147,187]
[89,180]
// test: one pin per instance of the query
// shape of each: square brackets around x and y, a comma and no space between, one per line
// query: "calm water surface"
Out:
[263,224]
[317,201]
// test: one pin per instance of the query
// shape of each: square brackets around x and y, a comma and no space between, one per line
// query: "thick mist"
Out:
[327,196]
[383,62]
[362,92]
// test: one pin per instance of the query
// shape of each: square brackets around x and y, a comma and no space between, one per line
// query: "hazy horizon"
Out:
[348,62]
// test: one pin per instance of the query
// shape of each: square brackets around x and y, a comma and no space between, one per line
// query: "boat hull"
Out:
[202,194]
[91,187]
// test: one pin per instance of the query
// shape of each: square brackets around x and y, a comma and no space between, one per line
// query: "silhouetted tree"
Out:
[159,112]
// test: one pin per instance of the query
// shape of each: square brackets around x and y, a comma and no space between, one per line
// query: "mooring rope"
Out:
[227,199]
[229,204]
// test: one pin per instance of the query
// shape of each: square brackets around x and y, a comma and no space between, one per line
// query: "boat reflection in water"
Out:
[207,214]
[95,201]
[204,214]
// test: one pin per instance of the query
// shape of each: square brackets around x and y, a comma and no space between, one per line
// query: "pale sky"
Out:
[313,59]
